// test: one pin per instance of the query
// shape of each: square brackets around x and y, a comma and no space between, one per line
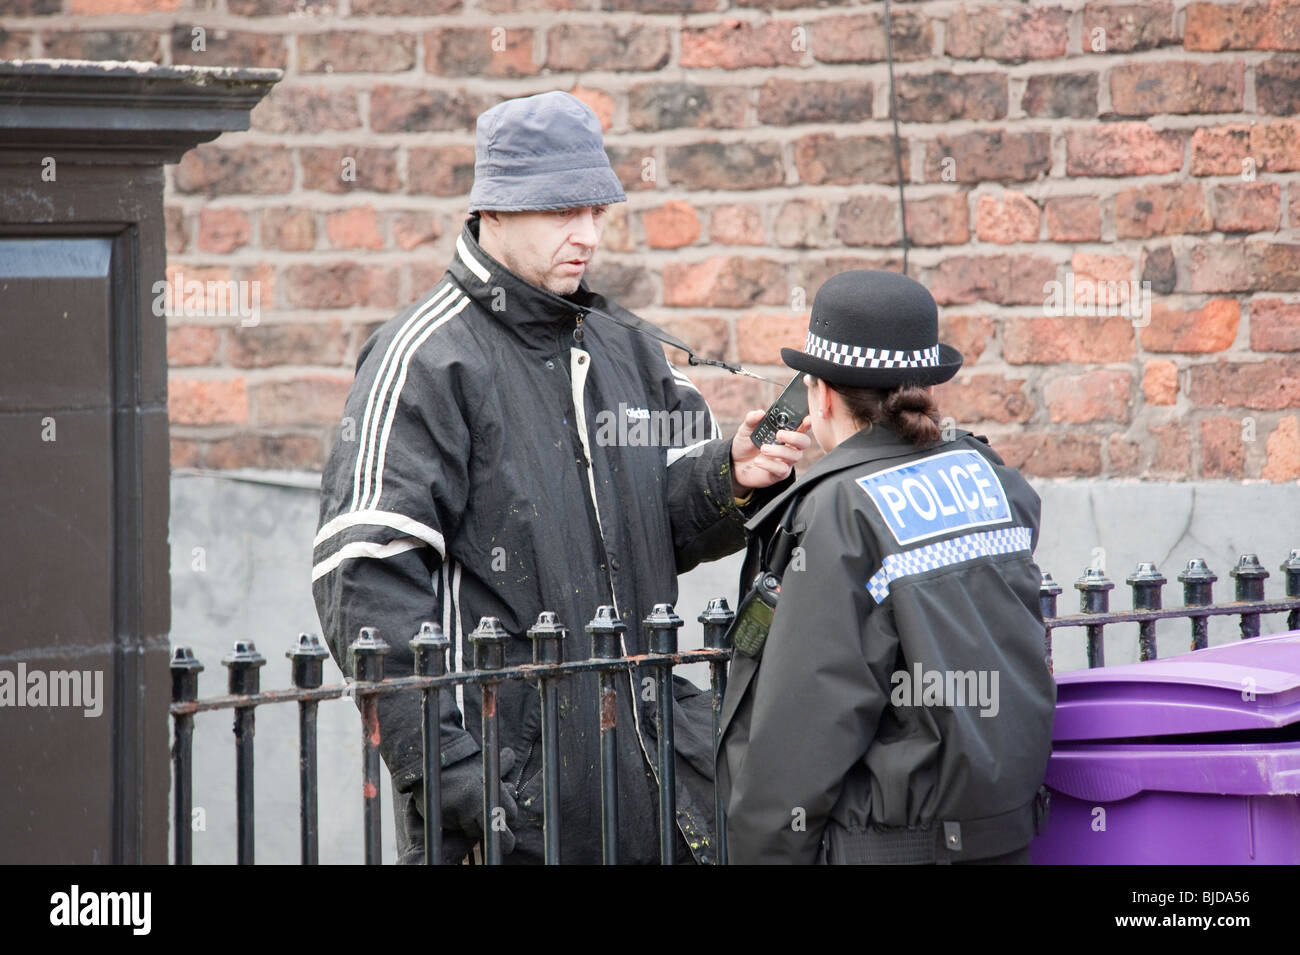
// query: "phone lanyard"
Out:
[645,328]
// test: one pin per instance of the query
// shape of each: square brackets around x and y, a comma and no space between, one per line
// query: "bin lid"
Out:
[1253,684]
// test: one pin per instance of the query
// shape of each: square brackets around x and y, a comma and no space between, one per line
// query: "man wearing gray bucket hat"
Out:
[541,152]
[502,467]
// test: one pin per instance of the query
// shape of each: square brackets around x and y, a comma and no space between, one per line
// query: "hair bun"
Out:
[912,412]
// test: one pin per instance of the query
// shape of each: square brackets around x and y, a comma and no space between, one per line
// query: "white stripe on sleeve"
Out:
[364,549]
[398,522]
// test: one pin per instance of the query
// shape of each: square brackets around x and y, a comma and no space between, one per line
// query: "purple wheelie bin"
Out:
[1187,759]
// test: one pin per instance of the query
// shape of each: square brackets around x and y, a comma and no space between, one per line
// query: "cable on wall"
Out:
[898,143]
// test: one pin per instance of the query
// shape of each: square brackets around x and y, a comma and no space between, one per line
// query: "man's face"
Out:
[551,249]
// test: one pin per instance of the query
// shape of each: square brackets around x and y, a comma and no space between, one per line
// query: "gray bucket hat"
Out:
[541,152]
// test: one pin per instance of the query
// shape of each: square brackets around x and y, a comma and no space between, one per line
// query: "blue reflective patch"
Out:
[948,492]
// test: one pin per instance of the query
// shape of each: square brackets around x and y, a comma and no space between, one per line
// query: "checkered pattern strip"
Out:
[1006,540]
[855,356]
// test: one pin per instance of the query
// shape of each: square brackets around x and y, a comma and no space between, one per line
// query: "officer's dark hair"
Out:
[909,409]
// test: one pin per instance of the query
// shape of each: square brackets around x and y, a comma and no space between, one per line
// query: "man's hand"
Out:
[753,467]
[462,800]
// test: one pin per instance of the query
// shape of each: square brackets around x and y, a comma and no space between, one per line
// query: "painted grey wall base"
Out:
[241,567]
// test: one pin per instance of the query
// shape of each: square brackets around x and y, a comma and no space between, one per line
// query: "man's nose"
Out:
[584,232]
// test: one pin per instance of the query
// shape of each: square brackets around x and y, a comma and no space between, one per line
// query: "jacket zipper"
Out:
[580,419]
[519,779]
[577,391]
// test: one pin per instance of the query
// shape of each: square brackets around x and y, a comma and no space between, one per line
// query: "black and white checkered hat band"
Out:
[855,356]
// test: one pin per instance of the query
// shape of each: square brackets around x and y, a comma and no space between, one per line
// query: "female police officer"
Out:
[898,709]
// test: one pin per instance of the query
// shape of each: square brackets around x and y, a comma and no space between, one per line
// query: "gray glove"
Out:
[462,804]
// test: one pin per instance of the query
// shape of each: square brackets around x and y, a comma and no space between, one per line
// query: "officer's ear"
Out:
[819,398]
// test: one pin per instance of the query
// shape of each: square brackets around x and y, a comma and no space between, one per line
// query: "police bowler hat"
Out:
[874,329]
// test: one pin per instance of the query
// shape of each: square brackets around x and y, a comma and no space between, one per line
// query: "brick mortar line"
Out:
[1028,371]
[924,256]
[1249,100]
[939,11]
[697,252]
[472,15]
[1145,415]
[1139,426]
[745,75]
[991,311]
[384,25]
[540,21]
[615,81]
[1040,190]
[350,324]
[910,131]
[733,316]
[217,431]
[1186,301]
[260,376]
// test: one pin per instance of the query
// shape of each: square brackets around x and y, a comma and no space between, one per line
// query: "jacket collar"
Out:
[539,317]
[869,444]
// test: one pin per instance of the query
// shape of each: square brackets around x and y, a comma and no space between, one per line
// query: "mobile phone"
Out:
[788,411]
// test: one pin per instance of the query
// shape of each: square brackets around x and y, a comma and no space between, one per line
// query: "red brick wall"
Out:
[1171,156]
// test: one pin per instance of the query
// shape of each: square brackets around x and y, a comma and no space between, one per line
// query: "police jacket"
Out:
[492,463]
[902,687]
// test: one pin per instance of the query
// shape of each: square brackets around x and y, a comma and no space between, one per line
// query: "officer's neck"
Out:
[832,422]
[839,428]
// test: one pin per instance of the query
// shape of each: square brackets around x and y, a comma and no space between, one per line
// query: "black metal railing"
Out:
[1147,584]
[431,677]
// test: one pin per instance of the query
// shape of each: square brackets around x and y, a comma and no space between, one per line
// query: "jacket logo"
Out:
[937,495]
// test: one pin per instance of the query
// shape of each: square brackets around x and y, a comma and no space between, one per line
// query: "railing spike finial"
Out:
[1249,575]
[1147,583]
[1094,597]
[307,658]
[1291,567]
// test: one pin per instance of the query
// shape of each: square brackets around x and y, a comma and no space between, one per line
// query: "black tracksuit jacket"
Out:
[494,467]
